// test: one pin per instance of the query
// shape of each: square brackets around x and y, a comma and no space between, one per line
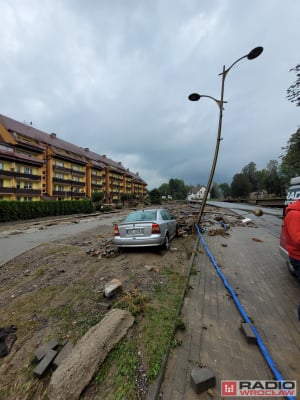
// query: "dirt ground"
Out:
[56,290]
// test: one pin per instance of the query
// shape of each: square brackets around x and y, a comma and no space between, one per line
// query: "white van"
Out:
[293,194]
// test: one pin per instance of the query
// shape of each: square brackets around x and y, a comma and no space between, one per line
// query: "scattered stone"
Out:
[64,352]
[45,363]
[248,332]
[202,379]
[112,287]
[44,348]
[149,267]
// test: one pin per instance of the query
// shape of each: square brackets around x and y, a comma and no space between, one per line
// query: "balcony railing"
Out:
[20,175]
[68,182]
[13,190]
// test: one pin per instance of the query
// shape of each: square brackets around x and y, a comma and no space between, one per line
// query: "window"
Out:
[27,198]
[28,185]
[5,148]
[165,215]
[1,165]
[28,170]
[18,185]
[1,183]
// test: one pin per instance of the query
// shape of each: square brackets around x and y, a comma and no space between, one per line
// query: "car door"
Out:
[170,221]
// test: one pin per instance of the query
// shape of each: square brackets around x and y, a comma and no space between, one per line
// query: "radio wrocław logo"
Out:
[258,388]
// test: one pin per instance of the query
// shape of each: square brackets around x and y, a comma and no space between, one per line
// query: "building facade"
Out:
[35,165]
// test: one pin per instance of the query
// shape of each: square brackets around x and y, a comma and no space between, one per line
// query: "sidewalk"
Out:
[250,261]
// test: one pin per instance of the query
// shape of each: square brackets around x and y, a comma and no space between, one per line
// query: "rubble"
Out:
[78,368]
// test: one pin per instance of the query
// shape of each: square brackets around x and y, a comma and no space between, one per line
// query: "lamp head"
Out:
[255,53]
[194,97]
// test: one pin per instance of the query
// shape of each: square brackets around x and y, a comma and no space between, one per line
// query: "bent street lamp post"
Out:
[195,97]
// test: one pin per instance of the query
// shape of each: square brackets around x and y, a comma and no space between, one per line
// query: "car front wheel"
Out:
[166,244]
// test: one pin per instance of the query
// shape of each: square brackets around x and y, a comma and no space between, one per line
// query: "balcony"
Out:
[28,191]
[13,190]
[19,175]
[68,181]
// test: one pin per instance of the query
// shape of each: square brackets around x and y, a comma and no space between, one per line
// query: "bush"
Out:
[17,210]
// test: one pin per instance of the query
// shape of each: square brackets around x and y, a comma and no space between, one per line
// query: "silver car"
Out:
[153,227]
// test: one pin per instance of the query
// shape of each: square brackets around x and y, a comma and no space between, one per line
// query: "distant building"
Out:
[35,165]
[197,193]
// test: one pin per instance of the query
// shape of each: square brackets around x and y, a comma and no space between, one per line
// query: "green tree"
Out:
[155,196]
[290,164]
[215,192]
[225,189]
[250,172]
[178,189]
[293,92]
[240,185]
[164,189]
[272,180]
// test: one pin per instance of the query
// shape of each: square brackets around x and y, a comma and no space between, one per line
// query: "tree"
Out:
[164,189]
[293,92]
[240,185]
[215,191]
[225,189]
[178,189]
[250,172]
[272,180]
[155,196]
[290,165]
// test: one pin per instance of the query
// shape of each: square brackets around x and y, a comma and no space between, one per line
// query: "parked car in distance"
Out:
[150,227]
[293,194]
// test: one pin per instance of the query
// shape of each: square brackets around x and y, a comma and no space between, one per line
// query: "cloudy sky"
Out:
[115,75]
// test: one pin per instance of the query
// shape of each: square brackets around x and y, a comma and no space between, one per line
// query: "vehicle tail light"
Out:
[116,230]
[155,228]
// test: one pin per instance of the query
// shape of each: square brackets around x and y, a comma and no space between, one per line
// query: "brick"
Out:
[202,379]
[44,348]
[43,365]
[247,331]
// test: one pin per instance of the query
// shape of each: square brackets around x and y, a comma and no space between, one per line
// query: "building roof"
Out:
[17,128]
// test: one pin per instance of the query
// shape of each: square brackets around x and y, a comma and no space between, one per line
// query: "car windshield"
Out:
[147,215]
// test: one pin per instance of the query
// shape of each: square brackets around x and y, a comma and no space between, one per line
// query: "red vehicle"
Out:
[293,194]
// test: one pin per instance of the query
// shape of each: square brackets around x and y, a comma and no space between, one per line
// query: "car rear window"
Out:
[147,215]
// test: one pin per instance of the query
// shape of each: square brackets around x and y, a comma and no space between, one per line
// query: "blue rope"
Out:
[243,313]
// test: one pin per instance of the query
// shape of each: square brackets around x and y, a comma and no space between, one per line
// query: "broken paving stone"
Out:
[45,363]
[202,379]
[112,287]
[44,348]
[149,267]
[64,352]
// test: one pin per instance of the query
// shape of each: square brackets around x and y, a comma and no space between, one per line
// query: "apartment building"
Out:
[35,165]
